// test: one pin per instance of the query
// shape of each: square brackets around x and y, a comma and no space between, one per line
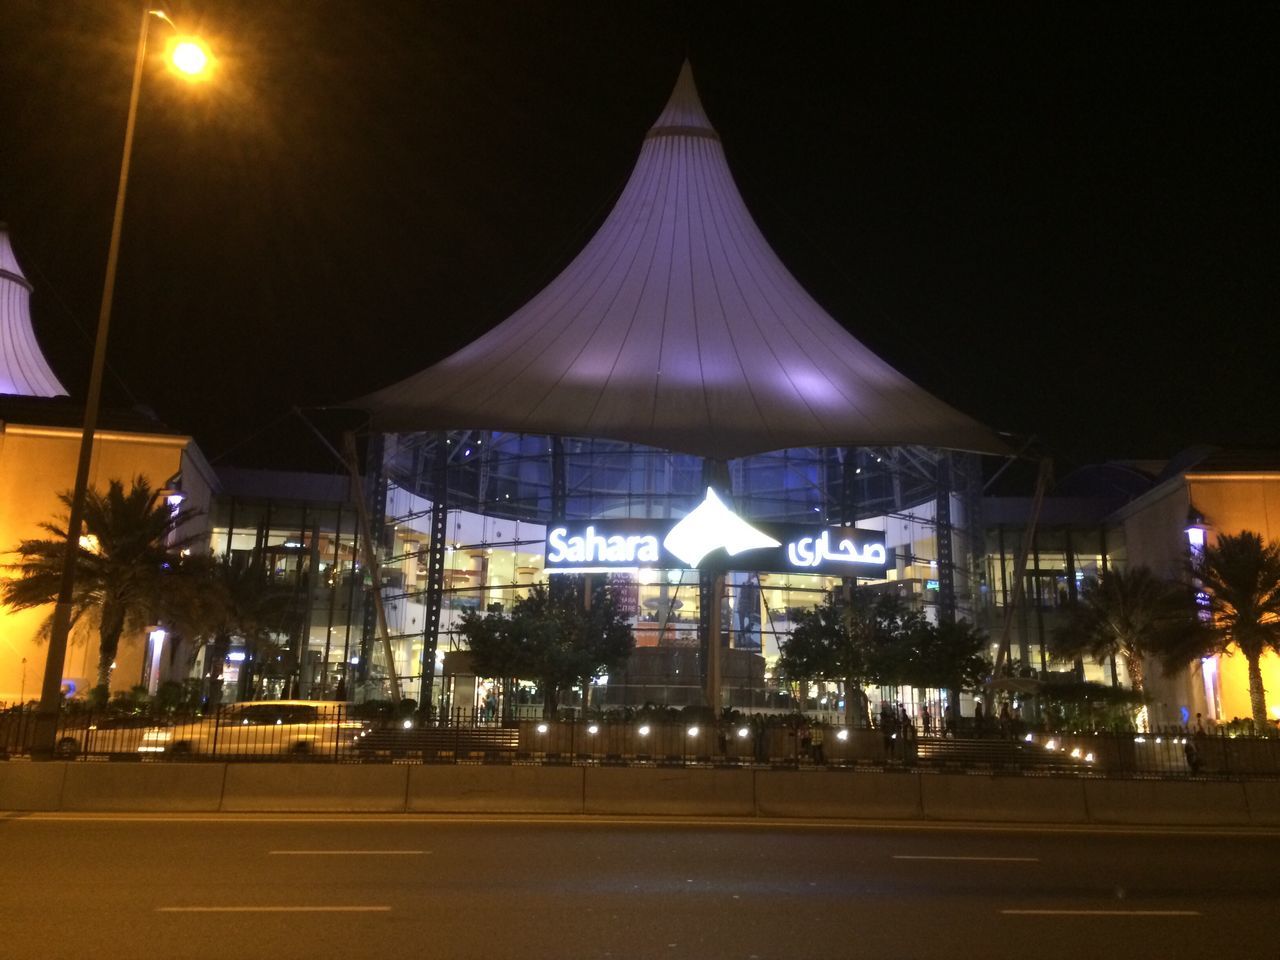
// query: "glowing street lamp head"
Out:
[189,57]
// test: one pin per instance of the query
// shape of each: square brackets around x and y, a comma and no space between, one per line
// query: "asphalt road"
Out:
[282,887]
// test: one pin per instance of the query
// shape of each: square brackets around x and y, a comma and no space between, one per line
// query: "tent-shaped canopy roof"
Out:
[679,328]
[23,368]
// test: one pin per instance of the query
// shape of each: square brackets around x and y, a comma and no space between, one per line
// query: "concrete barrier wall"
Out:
[1189,802]
[351,788]
[31,786]
[315,787]
[1003,799]
[149,787]
[1263,799]
[676,791]
[474,789]
[822,793]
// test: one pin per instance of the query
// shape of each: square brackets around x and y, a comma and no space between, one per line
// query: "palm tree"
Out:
[1241,576]
[1129,615]
[121,557]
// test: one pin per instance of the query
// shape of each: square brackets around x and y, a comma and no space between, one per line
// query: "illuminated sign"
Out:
[710,526]
[591,547]
[713,537]
[814,551]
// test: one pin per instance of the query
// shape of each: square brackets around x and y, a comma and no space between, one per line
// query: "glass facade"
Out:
[500,491]
[311,549]
[1059,560]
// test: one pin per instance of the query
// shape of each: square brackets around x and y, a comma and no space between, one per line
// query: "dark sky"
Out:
[1062,219]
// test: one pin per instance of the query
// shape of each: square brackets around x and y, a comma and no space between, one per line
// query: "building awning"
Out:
[678,327]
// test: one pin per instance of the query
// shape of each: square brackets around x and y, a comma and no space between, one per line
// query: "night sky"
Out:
[1062,219]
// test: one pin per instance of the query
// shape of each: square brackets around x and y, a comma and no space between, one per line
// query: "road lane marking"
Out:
[1102,913]
[911,856]
[273,909]
[347,853]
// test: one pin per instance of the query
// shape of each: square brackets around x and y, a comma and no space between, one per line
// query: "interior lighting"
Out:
[593,729]
[644,730]
[1139,739]
[743,733]
[542,728]
[842,735]
[1158,740]
[1051,745]
[693,731]
[1075,753]
[1088,758]
[408,724]
[1029,738]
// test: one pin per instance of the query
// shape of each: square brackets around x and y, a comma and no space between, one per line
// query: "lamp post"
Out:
[190,58]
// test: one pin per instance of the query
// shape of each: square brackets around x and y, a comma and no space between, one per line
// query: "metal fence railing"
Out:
[326,731]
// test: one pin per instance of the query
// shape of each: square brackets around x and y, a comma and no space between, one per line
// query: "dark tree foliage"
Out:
[947,656]
[553,636]
[855,643]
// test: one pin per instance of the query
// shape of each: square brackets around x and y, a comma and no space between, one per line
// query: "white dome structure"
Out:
[23,369]
[679,328]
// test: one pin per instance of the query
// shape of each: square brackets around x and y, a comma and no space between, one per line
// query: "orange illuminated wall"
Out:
[1230,503]
[36,463]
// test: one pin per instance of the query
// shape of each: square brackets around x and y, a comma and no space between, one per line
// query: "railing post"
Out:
[217,725]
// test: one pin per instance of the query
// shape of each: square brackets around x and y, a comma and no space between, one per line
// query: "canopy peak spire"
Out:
[683,114]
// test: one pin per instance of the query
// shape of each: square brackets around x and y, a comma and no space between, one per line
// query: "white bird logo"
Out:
[709,526]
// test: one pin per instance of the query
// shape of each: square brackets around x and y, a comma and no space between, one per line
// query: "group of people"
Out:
[1007,724]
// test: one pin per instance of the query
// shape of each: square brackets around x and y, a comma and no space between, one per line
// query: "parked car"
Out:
[106,735]
[259,728]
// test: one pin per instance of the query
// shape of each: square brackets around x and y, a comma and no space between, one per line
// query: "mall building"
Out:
[675,415]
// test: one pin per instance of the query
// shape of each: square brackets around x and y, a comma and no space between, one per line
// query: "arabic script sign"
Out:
[713,537]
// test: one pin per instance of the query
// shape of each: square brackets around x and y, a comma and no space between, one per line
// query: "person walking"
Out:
[926,720]
[887,731]
[815,745]
[1006,720]
[977,719]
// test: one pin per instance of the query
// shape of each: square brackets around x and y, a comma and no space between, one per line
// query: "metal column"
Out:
[435,571]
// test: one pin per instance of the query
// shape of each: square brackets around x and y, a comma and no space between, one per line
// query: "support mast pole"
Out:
[371,559]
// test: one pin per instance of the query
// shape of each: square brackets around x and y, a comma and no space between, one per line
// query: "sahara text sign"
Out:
[713,537]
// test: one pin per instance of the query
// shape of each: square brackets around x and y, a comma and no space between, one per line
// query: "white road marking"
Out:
[910,856]
[272,909]
[1102,913]
[347,853]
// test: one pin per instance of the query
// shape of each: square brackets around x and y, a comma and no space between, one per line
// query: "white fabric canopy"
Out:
[677,327]
[23,368]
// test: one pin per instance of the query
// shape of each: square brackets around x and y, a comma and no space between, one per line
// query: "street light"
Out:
[193,62]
